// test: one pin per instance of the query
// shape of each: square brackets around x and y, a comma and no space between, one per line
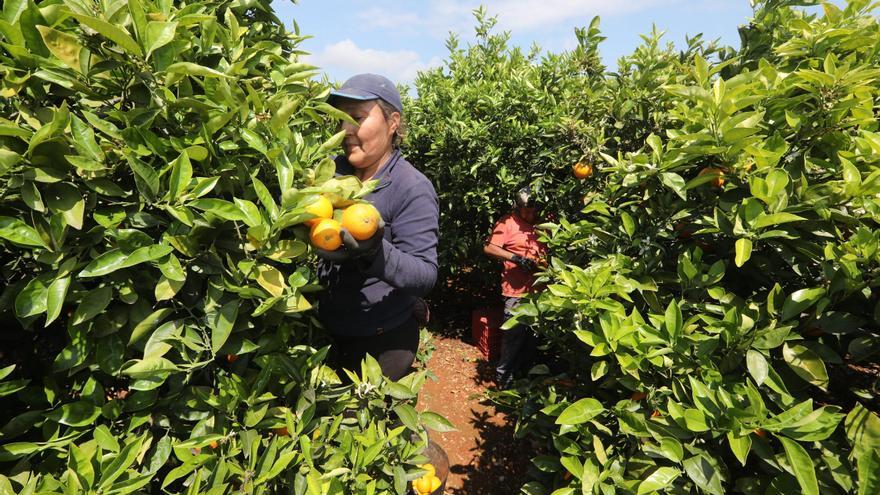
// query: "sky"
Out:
[399,38]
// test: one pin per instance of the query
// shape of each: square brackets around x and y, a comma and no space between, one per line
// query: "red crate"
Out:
[486,332]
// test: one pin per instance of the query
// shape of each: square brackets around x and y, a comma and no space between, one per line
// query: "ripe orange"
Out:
[321,208]
[718,180]
[582,170]
[281,432]
[361,220]
[231,358]
[637,396]
[656,414]
[422,485]
[213,444]
[760,432]
[326,234]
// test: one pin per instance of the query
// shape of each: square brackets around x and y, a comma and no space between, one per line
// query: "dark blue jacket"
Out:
[365,298]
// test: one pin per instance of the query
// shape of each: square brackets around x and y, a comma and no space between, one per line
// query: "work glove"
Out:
[353,249]
[525,263]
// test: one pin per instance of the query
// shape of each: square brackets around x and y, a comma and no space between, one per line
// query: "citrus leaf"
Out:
[802,464]
[111,32]
[580,412]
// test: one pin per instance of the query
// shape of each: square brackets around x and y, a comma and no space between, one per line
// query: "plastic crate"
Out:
[486,332]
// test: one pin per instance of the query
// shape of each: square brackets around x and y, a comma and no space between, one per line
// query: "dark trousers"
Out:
[517,347]
[394,349]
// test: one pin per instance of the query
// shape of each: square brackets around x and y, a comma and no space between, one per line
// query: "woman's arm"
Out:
[409,260]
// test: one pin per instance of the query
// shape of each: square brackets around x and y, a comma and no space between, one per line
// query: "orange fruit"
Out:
[760,432]
[718,180]
[213,444]
[231,358]
[637,396]
[326,234]
[582,170]
[656,414]
[321,208]
[361,220]
[422,485]
[281,432]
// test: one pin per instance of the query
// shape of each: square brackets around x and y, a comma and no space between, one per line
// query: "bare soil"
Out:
[484,457]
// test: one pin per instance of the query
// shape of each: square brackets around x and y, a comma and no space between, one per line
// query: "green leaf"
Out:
[802,464]
[105,439]
[33,299]
[8,159]
[740,446]
[18,232]
[775,219]
[806,364]
[112,32]
[743,251]
[181,175]
[221,208]
[436,422]
[869,473]
[93,304]
[222,323]
[158,34]
[658,480]
[55,297]
[629,226]
[120,463]
[673,320]
[331,144]
[863,429]
[271,279]
[705,474]
[757,366]
[146,178]
[192,69]
[64,46]
[674,182]
[800,301]
[66,199]
[580,412]
[117,259]
[852,179]
[408,416]
[80,413]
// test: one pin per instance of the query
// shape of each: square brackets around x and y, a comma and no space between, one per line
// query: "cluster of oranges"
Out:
[428,483]
[361,220]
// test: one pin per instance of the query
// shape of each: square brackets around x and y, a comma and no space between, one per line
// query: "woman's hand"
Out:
[354,249]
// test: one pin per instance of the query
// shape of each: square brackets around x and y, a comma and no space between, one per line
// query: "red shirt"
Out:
[519,237]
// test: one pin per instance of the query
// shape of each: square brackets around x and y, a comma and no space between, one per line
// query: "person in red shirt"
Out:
[515,242]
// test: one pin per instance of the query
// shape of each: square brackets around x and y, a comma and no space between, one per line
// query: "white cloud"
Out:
[441,16]
[346,57]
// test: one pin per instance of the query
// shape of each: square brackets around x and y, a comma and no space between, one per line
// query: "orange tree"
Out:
[716,300]
[156,161]
[492,120]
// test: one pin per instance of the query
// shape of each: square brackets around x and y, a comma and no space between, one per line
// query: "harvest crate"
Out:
[486,332]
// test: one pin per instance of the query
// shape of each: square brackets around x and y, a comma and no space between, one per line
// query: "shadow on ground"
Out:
[499,462]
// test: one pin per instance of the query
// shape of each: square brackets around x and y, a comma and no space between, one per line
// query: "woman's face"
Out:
[370,142]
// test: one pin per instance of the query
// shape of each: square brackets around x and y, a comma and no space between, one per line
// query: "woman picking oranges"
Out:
[373,282]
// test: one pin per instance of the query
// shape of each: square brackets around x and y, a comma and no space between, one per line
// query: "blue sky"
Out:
[398,38]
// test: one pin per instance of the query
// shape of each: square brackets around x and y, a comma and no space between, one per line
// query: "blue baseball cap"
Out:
[366,87]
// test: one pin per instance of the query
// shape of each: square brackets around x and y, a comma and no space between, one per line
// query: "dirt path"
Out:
[483,456]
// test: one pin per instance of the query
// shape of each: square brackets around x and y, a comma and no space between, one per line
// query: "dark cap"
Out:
[365,87]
